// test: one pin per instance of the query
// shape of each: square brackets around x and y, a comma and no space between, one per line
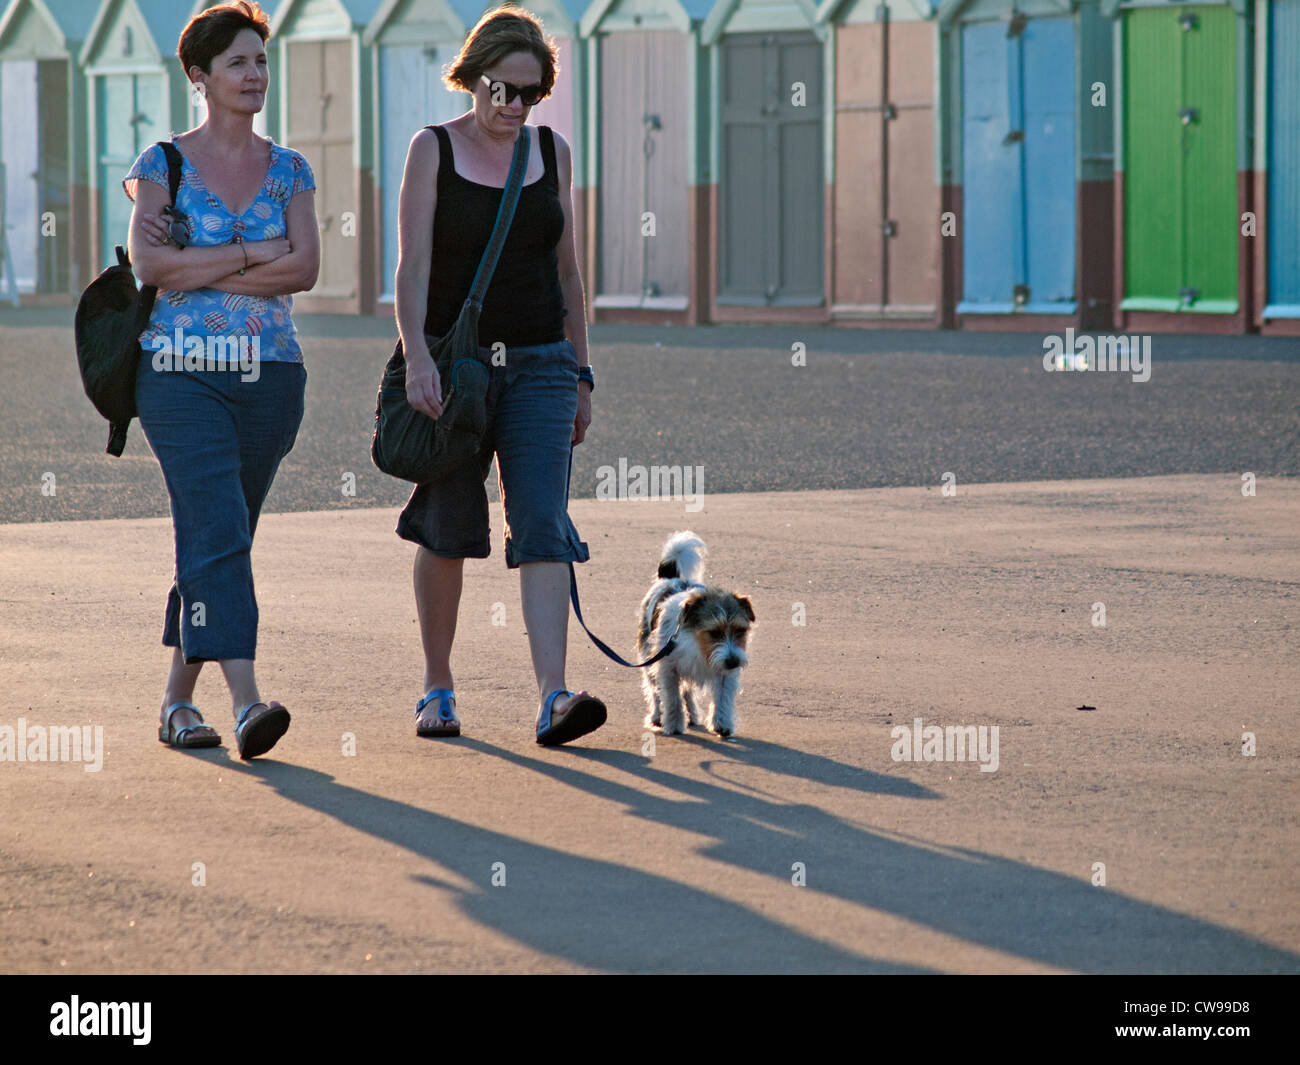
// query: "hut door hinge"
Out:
[890,112]
[1020,294]
[889,228]
[1014,136]
[1189,22]
[1188,115]
[1017,24]
[1188,296]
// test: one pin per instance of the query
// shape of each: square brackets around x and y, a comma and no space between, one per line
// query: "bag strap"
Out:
[173,157]
[667,648]
[505,215]
[173,167]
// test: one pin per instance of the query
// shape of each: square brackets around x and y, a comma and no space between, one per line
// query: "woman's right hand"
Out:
[423,385]
[261,252]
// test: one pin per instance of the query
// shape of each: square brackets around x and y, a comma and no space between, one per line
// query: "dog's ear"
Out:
[746,606]
[691,609]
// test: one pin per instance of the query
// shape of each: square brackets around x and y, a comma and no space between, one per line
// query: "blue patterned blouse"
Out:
[204,311]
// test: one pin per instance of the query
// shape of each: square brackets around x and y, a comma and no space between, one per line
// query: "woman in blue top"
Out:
[220,383]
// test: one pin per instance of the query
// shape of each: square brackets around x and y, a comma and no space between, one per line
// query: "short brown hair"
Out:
[500,32]
[211,32]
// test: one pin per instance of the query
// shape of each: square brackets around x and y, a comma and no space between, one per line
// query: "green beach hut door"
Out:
[1180,173]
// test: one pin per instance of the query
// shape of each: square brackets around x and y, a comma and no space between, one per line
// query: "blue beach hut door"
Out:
[1018,167]
[1283,161]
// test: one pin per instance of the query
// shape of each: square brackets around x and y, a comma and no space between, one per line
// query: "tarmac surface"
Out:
[1154,831]
[869,409]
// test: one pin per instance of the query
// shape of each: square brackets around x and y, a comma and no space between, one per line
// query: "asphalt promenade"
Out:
[1154,831]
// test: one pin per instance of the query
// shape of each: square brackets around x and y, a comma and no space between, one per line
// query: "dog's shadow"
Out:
[982,898]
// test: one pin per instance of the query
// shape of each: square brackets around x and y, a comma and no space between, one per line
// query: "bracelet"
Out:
[245,251]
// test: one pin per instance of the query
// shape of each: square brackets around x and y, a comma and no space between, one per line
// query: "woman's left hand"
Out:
[156,229]
[583,419]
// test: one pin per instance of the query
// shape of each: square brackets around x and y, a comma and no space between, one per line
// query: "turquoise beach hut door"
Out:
[1018,167]
[129,119]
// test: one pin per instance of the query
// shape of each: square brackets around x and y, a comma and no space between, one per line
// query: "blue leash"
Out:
[577,609]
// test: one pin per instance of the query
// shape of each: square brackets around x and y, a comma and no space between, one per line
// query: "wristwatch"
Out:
[585,374]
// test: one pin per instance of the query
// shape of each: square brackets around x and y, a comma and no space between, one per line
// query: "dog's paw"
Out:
[674,730]
[723,732]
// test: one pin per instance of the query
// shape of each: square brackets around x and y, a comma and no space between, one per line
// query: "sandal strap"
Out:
[171,710]
[180,736]
[544,718]
[242,716]
[444,697]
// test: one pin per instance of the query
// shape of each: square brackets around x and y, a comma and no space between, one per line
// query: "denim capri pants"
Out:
[219,440]
[532,401]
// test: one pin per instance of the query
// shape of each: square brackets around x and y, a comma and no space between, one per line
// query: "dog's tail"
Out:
[683,556]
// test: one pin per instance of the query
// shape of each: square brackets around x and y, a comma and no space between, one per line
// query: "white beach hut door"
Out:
[411,95]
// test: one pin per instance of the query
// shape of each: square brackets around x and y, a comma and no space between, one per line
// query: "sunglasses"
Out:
[178,229]
[529,94]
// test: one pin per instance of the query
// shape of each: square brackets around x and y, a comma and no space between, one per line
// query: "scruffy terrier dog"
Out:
[711,627]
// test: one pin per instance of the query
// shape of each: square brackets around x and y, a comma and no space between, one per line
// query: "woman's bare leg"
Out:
[438,583]
[181,681]
[544,591]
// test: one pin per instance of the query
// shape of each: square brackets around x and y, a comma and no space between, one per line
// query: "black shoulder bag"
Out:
[410,445]
[111,314]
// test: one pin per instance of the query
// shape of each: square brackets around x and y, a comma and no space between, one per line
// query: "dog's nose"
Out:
[731,662]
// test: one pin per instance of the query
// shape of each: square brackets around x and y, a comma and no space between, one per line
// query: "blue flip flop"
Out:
[447,724]
[580,717]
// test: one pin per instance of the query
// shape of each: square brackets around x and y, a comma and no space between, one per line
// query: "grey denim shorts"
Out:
[532,401]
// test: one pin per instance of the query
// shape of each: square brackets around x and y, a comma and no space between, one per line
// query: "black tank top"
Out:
[524,304]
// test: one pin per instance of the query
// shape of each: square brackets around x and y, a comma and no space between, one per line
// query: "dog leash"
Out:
[577,609]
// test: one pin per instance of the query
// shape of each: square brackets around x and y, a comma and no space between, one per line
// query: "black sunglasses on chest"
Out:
[529,94]
[179,226]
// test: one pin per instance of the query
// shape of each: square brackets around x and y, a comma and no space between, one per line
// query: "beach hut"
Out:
[1181,186]
[886,263]
[1277,167]
[411,41]
[771,104]
[137,94]
[647,161]
[1030,133]
[325,108]
[44,179]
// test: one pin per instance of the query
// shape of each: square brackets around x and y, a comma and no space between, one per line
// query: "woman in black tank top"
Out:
[539,396]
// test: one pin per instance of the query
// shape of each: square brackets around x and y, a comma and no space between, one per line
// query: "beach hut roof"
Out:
[950,9]
[163,18]
[829,10]
[682,13]
[358,12]
[723,10]
[1111,8]
[71,19]
[469,12]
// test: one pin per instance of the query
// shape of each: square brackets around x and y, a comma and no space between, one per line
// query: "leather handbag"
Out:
[111,314]
[407,443]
